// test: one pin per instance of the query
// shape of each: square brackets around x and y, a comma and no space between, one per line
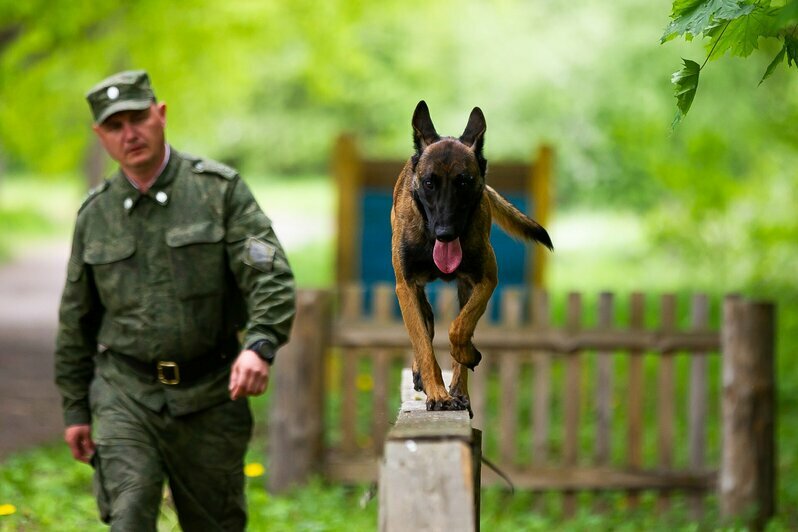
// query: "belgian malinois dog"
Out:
[440,220]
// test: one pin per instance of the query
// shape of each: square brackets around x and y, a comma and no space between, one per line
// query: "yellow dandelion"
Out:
[364,382]
[254,470]
[7,509]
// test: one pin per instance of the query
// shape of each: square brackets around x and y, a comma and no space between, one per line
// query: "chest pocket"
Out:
[114,269]
[197,255]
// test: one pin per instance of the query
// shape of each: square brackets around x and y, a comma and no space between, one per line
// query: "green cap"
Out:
[125,91]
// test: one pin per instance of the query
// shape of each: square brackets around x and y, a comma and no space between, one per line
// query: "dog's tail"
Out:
[514,222]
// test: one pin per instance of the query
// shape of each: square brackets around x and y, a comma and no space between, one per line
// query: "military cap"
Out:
[125,91]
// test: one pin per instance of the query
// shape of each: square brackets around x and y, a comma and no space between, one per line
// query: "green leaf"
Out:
[693,17]
[741,36]
[788,14]
[773,64]
[686,82]
[791,46]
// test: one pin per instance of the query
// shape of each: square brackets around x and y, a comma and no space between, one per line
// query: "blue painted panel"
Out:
[375,248]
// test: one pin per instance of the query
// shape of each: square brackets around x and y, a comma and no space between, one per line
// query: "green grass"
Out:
[52,492]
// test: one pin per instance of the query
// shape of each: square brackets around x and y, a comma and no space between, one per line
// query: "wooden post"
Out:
[540,189]
[347,168]
[296,414]
[748,458]
[430,473]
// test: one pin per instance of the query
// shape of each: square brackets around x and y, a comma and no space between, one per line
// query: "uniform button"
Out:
[128,204]
[161,197]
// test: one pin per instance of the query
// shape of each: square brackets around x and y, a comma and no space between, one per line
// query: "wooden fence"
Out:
[584,405]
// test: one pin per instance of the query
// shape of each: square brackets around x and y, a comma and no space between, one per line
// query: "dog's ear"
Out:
[474,136]
[424,132]
[475,130]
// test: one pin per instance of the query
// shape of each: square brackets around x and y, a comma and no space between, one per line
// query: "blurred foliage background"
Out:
[267,86]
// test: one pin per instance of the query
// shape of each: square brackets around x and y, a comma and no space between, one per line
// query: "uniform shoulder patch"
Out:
[209,166]
[94,193]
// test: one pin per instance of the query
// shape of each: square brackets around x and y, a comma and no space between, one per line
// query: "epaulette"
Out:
[208,166]
[93,193]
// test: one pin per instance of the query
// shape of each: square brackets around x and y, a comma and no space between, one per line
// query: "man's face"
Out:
[135,139]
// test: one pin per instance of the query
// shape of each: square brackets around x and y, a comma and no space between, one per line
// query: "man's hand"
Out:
[78,437]
[249,375]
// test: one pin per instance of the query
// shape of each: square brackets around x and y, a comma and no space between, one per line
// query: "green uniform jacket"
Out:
[175,274]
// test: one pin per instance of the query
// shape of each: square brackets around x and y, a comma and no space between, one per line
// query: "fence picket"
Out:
[604,385]
[541,390]
[383,313]
[665,397]
[509,366]
[445,310]
[697,414]
[351,310]
[604,370]
[571,401]
[477,390]
[446,304]
[635,405]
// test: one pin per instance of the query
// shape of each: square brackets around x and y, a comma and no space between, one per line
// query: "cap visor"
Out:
[126,105]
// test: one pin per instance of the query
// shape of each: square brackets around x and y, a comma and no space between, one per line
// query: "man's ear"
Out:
[160,108]
[424,132]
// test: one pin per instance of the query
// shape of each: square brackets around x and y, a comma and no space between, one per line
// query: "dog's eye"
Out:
[428,184]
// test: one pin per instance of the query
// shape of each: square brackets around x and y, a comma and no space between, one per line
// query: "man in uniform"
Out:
[178,295]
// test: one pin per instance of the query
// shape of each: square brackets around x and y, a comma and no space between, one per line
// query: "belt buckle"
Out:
[169,367]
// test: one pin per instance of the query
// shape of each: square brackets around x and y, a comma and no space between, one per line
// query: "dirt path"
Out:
[30,288]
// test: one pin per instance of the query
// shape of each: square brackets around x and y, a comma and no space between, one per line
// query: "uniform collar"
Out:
[166,157]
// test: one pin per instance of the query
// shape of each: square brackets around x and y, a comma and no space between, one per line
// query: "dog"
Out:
[440,222]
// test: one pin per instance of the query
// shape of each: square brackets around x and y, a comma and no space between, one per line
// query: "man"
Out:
[174,268]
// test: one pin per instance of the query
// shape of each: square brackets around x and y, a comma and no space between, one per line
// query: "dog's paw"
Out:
[449,403]
[468,355]
[418,384]
[476,356]
[465,401]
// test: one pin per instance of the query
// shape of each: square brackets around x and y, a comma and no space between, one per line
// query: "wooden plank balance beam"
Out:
[430,471]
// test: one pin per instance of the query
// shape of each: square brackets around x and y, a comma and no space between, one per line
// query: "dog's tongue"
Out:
[447,255]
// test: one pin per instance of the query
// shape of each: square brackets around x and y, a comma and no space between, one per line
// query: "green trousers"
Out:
[201,455]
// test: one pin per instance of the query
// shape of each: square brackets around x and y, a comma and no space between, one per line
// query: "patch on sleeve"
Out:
[259,255]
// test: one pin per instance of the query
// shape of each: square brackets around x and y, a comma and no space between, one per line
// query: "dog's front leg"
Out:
[424,363]
[462,329]
[429,322]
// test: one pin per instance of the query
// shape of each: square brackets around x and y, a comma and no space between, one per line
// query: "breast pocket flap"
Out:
[109,251]
[197,233]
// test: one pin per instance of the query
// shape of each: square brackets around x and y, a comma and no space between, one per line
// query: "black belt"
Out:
[172,373]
